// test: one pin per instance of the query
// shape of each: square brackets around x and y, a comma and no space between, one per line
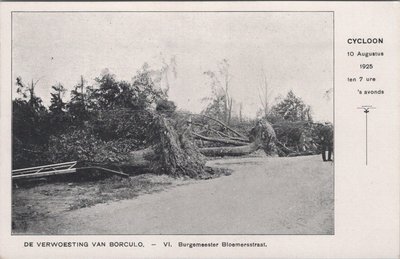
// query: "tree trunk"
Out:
[176,154]
[230,151]
[220,140]
[262,136]
[230,111]
[145,158]
[240,112]
[173,153]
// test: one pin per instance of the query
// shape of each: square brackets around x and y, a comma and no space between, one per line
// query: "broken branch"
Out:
[223,124]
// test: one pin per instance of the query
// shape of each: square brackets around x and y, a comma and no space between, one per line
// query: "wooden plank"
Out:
[40,170]
[42,174]
[47,167]
[44,169]
[48,170]
[39,167]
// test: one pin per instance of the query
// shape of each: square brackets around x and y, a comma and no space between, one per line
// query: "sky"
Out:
[293,50]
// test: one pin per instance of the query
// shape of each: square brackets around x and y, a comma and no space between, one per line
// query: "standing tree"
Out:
[108,90]
[291,108]
[58,117]
[240,112]
[30,132]
[215,108]
[163,75]
[57,105]
[147,93]
[264,94]
[28,92]
[220,87]
[81,104]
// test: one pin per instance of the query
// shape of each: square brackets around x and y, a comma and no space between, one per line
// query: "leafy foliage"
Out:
[57,104]
[121,124]
[29,126]
[291,108]
[299,136]
[106,140]
[215,108]
[85,147]
[82,105]
[100,123]
[58,118]
[175,153]
[145,89]
[166,107]
[103,122]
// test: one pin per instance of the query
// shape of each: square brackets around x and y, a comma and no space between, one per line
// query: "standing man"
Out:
[326,137]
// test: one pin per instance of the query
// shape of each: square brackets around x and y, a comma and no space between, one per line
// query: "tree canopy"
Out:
[291,108]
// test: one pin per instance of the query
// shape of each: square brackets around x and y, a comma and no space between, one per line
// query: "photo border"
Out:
[193,11]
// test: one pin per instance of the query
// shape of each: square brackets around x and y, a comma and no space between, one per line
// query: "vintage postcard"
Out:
[200,130]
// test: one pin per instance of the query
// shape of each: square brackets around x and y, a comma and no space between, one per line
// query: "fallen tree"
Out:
[287,138]
[240,142]
[169,148]
[166,146]
[297,138]
[262,136]
[177,155]
[223,125]
[230,151]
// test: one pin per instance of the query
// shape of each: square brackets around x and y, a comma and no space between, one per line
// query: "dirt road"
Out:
[262,196]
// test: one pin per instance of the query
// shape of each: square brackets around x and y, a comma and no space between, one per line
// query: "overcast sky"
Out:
[293,49]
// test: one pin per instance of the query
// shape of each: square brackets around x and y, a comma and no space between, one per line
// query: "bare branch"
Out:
[37,81]
[223,124]
[219,133]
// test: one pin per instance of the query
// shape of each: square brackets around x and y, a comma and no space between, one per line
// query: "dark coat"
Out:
[326,135]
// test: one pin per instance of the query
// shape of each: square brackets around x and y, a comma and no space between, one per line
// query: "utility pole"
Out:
[366,109]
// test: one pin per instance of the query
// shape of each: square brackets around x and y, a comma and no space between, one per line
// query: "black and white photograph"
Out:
[172,123]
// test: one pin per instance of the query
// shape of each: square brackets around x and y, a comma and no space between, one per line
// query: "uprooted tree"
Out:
[262,136]
[293,130]
[167,143]
[163,146]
